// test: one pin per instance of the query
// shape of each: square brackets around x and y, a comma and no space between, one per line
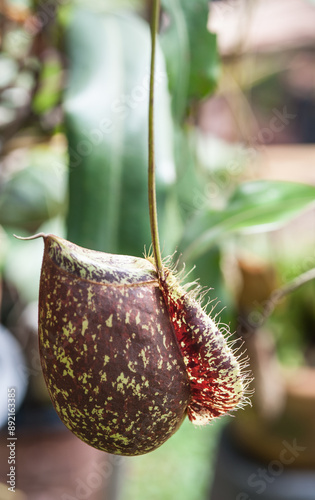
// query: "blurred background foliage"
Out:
[73,123]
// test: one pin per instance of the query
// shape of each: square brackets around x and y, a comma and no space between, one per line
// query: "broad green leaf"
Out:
[190,51]
[254,206]
[106,106]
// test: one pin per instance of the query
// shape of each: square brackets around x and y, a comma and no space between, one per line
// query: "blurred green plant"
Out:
[191,54]
[253,206]
[36,193]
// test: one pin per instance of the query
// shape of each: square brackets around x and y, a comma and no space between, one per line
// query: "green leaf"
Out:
[36,193]
[106,106]
[190,51]
[254,206]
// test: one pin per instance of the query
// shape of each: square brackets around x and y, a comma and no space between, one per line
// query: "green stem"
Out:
[151,172]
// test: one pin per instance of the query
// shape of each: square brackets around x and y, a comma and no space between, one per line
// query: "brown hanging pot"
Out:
[125,354]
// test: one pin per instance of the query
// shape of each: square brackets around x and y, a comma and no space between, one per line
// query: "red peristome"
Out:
[214,373]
